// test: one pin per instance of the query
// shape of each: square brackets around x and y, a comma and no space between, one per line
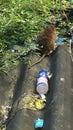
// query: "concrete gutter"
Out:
[58,113]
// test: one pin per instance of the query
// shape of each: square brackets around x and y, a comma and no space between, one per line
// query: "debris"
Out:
[32,102]
[4,111]
[70,33]
[40,104]
[62,79]
[39,123]
[49,75]
[59,41]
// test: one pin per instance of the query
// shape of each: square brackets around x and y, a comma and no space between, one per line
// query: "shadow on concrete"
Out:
[19,83]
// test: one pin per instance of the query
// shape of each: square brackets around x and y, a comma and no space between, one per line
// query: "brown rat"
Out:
[46,41]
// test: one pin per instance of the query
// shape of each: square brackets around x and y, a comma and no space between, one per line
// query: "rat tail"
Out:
[39,60]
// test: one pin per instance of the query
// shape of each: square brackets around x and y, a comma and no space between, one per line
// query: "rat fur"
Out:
[46,41]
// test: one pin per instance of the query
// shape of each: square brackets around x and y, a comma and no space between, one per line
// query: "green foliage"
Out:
[22,20]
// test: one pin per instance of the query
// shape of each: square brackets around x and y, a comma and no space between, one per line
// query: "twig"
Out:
[66,16]
[70,51]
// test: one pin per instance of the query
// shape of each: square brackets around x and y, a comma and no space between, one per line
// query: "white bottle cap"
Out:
[43,97]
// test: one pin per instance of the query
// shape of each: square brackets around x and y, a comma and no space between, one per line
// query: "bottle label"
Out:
[41,80]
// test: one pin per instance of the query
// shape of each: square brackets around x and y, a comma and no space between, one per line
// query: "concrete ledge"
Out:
[58,113]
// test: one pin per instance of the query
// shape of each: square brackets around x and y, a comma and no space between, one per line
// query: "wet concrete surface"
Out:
[58,112]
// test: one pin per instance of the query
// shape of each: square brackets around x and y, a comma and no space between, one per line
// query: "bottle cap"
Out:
[42,73]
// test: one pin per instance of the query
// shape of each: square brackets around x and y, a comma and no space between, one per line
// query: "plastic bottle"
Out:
[42,83]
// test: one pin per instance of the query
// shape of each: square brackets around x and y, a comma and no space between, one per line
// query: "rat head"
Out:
[51,30]
[51,27]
